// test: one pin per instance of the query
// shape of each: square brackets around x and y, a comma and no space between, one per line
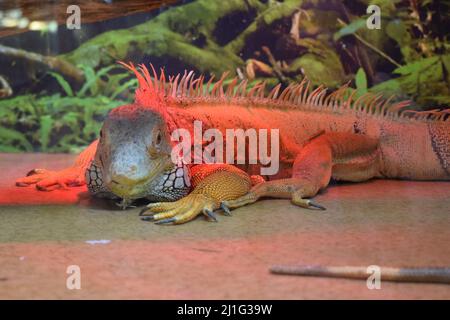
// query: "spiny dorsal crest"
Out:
[156,91]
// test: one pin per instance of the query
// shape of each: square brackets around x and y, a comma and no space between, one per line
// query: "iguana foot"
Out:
[47,180]
[293,188]
[212,185]
[181,211]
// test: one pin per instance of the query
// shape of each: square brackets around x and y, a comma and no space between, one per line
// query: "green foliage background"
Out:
[65,121]
[408,57]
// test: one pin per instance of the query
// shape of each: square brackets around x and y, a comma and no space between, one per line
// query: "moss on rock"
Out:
[321,64]
[174,36]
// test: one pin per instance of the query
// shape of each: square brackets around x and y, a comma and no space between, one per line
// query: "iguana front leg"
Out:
[47,180]
[212,183]
[343,156]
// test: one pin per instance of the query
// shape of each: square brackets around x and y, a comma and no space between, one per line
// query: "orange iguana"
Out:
[322,136]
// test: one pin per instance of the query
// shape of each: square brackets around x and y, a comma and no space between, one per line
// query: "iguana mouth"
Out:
[135,189]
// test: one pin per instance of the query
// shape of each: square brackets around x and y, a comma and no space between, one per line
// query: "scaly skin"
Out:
[321,137]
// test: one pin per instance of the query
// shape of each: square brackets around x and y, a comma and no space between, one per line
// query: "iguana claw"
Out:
[210,214]
[225,209]
[312,204]
[166,221]
[143,212]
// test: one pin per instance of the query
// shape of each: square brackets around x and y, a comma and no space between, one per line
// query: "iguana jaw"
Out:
[131,189]
[166,182]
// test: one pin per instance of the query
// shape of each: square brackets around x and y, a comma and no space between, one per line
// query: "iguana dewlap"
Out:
[321,137]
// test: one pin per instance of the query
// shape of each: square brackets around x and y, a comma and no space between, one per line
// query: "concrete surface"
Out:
[386,223]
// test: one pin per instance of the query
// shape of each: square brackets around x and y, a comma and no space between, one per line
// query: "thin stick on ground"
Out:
[423,274]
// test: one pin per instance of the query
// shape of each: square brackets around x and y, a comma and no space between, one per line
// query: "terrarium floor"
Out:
[386,223]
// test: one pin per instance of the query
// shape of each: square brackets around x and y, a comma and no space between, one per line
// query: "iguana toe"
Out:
[248,198]
[210,214]
[180,211]
[225,209]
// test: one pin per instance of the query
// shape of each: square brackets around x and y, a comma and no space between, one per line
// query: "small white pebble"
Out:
[98,241]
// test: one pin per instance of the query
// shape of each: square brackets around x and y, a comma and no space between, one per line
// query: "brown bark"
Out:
[91,11]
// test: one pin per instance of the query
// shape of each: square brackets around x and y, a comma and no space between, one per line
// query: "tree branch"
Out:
[61,66]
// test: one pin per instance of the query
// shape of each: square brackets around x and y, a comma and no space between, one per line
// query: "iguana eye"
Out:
[158,138]
[154,148]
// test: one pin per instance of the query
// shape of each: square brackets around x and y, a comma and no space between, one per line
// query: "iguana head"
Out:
[133,158]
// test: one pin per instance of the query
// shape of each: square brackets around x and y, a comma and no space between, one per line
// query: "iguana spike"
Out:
[321,97]
[330,99]
[290,93]
[372,103]
[386,105]
[361,103]
[348,101]
[339,94]
[193,86]
[274,93]
[230,88]
[313,95]
[217,90]
[175,86]
[186,83]
[305,92]
[155,76]
[378,107]
[181,83]
[153,90]
[241,87]
[294,94]
[284,92]
[252,91]
[394,109]
[200,87]
[262,90]
[208,85]
[141,81]
[162,80]
[147,77]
